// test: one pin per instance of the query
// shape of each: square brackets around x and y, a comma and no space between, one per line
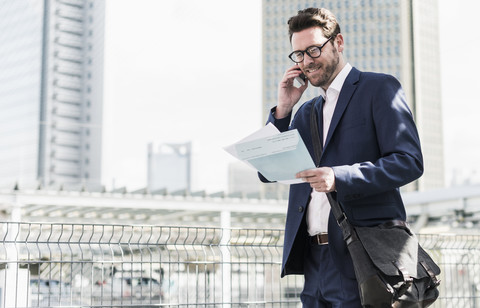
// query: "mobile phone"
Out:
[301,79]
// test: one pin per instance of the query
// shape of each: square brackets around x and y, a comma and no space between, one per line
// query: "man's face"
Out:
[320,71]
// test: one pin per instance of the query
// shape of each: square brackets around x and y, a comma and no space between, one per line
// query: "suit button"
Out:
[300,209]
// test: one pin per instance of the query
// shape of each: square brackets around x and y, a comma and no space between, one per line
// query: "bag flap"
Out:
[389,246]
[425,257]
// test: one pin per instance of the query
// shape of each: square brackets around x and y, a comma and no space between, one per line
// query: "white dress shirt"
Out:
[319,208]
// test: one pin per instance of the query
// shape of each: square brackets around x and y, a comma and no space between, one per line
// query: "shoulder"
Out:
[302,116]
[306,106]
[377,82]
[377,77]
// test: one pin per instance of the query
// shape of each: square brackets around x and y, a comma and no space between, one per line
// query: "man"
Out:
[370,149]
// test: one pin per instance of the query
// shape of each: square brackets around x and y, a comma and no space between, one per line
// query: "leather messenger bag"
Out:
[391,267]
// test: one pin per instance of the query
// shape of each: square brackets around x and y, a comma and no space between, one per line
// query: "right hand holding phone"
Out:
[288,93]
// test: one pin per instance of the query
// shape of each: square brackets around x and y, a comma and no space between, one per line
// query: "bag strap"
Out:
[337,210]
[435,281]
[317,145]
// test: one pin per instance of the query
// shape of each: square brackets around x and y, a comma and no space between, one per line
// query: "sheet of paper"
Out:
[265,131]
[277,156]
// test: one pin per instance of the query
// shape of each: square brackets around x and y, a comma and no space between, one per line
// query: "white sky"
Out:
[178,71]
[459,51]
[190,70]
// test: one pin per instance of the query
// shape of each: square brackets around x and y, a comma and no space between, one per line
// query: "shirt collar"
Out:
[339,80]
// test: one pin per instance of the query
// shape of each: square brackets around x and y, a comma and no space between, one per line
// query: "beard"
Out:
[325,78]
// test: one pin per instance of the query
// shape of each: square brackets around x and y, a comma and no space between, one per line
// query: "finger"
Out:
[288,80]
[313,181]
[305,173]
[290,76]
[305,178]
[294,67]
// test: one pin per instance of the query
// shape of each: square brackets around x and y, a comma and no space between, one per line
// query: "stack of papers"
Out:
[277,156]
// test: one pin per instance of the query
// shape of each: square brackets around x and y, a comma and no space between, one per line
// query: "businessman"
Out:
[370,149]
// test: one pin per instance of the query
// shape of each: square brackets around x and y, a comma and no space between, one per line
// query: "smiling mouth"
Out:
[312,70]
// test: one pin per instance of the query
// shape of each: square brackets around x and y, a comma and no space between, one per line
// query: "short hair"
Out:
[314,17]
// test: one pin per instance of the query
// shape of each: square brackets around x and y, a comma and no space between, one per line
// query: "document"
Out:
[277,156]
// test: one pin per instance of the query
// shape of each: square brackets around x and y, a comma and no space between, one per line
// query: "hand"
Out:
[288,94]
[321,179]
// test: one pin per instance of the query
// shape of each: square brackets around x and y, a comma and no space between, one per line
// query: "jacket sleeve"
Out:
[282,124]
[400,158]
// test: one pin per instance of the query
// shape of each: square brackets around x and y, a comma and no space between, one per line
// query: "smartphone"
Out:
[301,79]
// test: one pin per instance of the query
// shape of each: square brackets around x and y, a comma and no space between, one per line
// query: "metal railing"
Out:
[88,265]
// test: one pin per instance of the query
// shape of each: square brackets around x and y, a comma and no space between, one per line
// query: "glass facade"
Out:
[51,92]
[20,89]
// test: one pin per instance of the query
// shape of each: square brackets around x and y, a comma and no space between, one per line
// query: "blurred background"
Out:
[114,118]
[146,94]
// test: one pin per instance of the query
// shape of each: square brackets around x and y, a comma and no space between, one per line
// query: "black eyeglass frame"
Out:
[306,51]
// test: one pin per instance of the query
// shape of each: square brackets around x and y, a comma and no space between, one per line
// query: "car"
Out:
[51,292]
[125,287]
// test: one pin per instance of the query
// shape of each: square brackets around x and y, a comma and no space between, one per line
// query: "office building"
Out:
[242,179]
[391,36]
[51,89]
[170,167]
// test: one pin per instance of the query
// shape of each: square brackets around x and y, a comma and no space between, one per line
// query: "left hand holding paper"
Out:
[321,179]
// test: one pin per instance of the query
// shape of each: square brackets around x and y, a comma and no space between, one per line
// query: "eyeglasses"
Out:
[312,51]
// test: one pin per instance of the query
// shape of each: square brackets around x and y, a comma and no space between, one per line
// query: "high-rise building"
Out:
[398,37]
[170,166]
[242,179]
[51,91]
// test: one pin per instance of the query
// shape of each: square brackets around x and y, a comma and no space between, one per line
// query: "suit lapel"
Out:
[344,98]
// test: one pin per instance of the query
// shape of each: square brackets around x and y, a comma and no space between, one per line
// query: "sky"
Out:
[459,50]
[178,71]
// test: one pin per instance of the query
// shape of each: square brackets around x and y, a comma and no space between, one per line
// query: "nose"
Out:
[307,59]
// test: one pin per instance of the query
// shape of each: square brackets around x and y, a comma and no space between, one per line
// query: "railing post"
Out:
[14,281]
[226,224]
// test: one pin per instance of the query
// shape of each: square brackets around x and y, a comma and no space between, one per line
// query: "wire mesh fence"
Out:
[87,265]
[81,265]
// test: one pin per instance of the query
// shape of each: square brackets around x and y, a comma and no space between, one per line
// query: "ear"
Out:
[339,42]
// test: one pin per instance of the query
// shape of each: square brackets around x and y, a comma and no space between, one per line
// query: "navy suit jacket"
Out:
[372,146]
